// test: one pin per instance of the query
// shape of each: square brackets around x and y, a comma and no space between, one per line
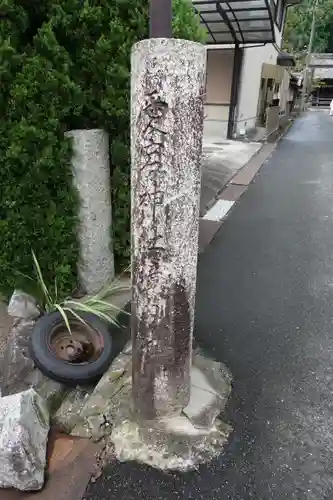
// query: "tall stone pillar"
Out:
[91,175]
[168,85]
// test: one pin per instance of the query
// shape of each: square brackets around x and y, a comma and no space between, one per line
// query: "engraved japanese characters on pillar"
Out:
[168,79]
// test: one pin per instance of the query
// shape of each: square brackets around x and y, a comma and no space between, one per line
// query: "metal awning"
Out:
[237,21]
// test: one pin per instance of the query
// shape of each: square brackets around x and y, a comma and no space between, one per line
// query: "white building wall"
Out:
[253,59]
[219,78]
[218,89]
[216,122]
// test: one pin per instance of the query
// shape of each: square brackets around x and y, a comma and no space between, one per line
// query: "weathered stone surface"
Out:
[101,409]
[71,406]
[99,420]
[168,85]
[23,305]
[24,427]
[52,392]
[204,407]
[215,374]
[18,370]
[210,389]
[17,365]
[91,171]
[172,444]
[128,348]
[177,443]
[181,442]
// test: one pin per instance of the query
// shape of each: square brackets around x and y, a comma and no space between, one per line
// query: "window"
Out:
[279,15]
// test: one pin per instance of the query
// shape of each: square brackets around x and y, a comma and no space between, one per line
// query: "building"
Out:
[321,68]
[246,71]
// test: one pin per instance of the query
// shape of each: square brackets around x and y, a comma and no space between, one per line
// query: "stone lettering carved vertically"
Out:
[168,78]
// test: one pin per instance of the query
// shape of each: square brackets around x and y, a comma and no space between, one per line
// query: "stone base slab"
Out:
[172,444]
[178,443]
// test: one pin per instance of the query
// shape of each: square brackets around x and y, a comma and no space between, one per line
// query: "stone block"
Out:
[210,389]
[101,408]
[128,348]
[24,427]
[17,364]
[23,305]
[204,407]
[18,370]
[66,416]
[51,391]
[216,374]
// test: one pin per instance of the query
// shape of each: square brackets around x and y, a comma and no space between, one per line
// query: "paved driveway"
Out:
[220,162]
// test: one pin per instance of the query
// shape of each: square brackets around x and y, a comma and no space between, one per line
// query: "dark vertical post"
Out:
[236,73]
[160,19]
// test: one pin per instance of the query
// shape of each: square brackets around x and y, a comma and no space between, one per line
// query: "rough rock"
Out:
[217,375]
[18,370]
[66,417]
[17,365]
[210,389]
[23,305]
[99,413]
[24,427]
[52,392]
[204,407]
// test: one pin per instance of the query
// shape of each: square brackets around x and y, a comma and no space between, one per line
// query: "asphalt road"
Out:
[265,308]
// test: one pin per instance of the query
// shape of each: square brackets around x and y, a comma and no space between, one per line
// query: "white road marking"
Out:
[219,210]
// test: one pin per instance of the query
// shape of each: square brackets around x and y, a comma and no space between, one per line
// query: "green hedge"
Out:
[64,64]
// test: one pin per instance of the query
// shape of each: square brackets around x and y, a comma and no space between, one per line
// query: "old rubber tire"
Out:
[69,373]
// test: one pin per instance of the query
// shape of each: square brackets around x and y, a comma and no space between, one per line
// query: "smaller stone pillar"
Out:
[168,85]
[91,176]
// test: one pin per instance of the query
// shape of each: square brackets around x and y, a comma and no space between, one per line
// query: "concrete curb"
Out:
[234,189]
[212,202]
[264,152]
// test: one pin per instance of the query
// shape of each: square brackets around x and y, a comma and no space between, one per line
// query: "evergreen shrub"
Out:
[64,64]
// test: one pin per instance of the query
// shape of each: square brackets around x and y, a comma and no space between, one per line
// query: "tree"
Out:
[298,27]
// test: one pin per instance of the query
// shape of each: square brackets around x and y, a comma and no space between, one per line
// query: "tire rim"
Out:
[82,345]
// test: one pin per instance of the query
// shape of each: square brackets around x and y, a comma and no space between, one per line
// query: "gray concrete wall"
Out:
[272,121]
